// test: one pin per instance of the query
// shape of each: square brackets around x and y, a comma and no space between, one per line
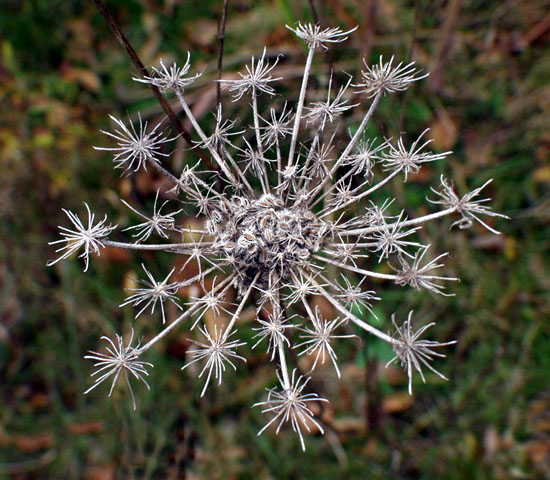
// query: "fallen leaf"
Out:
[86,428]
[542,174]
[539,450]
[397,402]
[444,132]
[100,473]
[350,425]
[33,443]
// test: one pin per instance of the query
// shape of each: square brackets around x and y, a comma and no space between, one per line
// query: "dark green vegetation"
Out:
[61,72]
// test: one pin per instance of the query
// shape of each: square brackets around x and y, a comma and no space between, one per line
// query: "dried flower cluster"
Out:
[281,219]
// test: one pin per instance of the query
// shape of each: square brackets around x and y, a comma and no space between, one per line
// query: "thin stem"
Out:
[240,173]
[203,137]
[308,309]
[256,122]
[284,367]
[360,323]
[221,38]
[241,306]
[192,230]
[351,144]
[362,195]
[265,183]
[407,223]
[368,273]
[300,106]
[117,31]
[201,275]
[163,246]
[182,317]
[278,149]
[172,177]
[308,161]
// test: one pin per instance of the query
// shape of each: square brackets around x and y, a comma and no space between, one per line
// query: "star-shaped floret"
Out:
[417,276]
[159,223]
[412,352]
[218,351]
[257,78]
[318,340]
[273,330]
[119,359]
[170,78]
[154,293]
[90,238]
[409,160]
[290,404]
[136,147]
[467,206]
[385,78]
[314,36]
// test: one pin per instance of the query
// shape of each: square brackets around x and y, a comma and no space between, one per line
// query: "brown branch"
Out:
[115,28]
[314,12]
[410,51]
[221,38]
[443,52]
[371,7]
[328,57]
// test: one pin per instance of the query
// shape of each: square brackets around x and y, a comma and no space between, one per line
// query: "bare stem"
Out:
[119,35]
[368,273]
[190,311]
[221,38]
[343,310]
[362,195]
[284,367]
[241,306]
[300,106]
[407,223]
[351,144]
[159,246]
[203,137]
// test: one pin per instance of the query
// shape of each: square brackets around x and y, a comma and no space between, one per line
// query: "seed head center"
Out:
[263,235]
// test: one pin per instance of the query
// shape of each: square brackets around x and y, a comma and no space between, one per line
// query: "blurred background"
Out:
[487,99]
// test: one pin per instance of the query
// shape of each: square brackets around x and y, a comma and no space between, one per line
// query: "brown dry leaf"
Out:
[393,374]
[39,400]
[325,308]
[350,425]
[86,428]
[204,32]
[371,447]
[115,255]
[33,443]
[106,472]
[539,450]
[479,150]
[397,402]
[444,131]
[85,78]
[542,174]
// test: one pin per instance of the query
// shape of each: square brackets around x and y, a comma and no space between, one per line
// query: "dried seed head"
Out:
[265,236]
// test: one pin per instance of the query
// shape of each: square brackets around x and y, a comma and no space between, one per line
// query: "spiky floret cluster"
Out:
[280,221]
[263,236]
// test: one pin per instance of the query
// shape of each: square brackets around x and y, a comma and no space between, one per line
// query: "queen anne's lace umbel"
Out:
[279,229]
